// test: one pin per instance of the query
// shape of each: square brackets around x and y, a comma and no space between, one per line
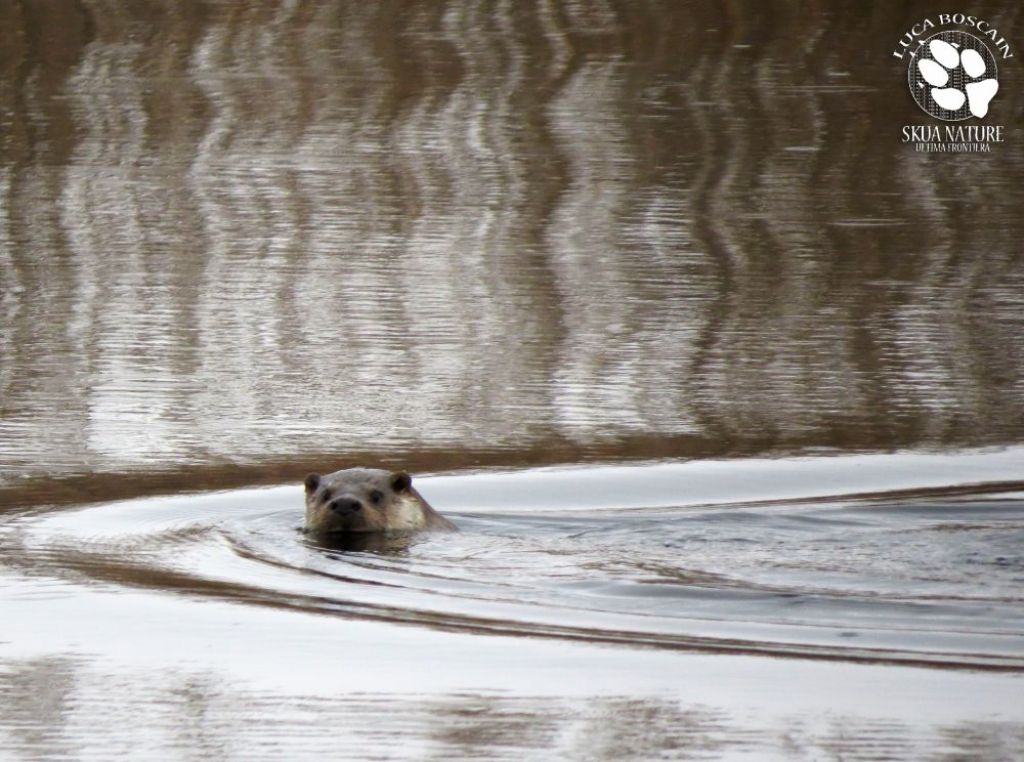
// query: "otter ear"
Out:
[400,481]
[312,482]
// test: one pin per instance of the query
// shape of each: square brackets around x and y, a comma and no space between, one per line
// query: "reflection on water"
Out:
[194,716]
[648,558]
[533,633]
[254,232]
[239,241]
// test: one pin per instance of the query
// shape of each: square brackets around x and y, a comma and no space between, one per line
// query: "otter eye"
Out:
[327,495]
[376,496]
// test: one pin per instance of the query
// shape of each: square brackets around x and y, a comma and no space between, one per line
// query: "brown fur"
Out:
[365,500]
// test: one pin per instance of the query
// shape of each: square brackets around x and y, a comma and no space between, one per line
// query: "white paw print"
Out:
[954,76]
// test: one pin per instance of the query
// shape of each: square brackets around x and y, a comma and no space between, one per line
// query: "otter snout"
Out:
[363,500]
[344,506]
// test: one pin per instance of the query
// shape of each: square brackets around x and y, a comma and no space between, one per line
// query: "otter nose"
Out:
[346,505]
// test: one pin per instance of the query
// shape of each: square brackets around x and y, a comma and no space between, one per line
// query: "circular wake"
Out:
[931,581]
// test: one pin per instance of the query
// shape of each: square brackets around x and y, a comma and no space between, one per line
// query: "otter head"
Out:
[363,500]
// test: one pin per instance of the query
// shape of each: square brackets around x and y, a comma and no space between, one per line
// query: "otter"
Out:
[366,500]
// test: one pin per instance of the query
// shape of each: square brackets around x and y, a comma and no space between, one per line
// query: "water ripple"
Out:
[931,579]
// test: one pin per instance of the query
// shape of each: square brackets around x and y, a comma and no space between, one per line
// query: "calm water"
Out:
[723,383]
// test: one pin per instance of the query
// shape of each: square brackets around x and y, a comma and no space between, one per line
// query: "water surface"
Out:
[722,382]
[254,234]
[574,614]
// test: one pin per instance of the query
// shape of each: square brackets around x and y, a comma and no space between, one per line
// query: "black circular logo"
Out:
[953,76]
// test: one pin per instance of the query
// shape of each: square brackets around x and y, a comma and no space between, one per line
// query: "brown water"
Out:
[677,248]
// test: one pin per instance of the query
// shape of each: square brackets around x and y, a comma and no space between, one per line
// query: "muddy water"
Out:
[723,384]
[708,609]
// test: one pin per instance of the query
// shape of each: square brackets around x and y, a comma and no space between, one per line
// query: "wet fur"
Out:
[367,500]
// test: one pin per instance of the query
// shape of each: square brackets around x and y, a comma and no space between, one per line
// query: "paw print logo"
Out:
[953,76]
